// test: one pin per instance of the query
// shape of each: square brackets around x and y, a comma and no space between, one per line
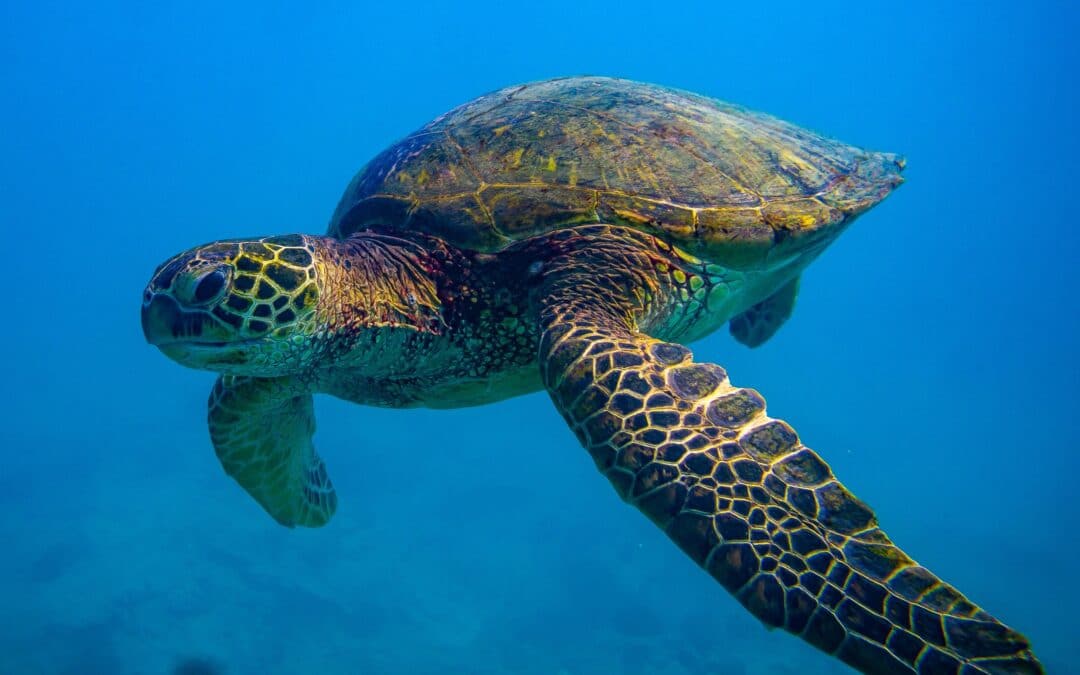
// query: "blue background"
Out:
[932,359]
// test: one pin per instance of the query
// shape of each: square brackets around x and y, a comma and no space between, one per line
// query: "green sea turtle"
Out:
[568,235]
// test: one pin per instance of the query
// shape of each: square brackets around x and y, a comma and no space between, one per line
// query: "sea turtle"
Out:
[568,235]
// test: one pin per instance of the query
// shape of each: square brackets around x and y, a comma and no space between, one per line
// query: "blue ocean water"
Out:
[932,358]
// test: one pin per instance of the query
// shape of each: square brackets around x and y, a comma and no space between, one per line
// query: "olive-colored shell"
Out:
[724,183]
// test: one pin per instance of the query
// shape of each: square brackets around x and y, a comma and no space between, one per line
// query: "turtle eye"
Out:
[210,286]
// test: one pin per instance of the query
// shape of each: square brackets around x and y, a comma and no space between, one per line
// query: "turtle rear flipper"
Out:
[740,494]
[756,325]
[261,429]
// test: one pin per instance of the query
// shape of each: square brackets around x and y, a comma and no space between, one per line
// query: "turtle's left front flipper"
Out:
[261,429]
[743,497]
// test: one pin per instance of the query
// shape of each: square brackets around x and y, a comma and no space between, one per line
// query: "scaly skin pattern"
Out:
[587,312]
[261,429]
[415,321]
[736,489]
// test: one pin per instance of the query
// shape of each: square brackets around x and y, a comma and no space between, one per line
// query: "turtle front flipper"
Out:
[756,325]
[743,497]
[261,429]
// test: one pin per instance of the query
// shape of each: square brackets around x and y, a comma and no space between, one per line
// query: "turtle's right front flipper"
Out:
[739,492]
[261,429]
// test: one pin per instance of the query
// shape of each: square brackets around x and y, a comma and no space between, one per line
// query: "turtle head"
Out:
[240,306]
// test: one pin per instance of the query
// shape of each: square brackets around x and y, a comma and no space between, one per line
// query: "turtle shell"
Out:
[725,183]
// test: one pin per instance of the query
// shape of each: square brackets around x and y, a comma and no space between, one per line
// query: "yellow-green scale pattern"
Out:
[736,489]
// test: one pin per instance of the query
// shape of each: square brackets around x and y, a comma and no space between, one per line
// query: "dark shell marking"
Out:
[723,182]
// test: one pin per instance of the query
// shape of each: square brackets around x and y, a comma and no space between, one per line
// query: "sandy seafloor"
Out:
[932,358]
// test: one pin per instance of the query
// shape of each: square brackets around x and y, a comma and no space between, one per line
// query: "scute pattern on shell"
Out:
[721,181]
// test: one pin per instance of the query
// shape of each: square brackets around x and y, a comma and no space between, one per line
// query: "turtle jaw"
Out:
[215,356]
[197,340]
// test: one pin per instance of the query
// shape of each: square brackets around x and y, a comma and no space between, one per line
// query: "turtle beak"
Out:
[191,338]
[165,322]
[160,317]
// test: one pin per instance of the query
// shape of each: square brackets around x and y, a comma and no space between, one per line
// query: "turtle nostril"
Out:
[209,287]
